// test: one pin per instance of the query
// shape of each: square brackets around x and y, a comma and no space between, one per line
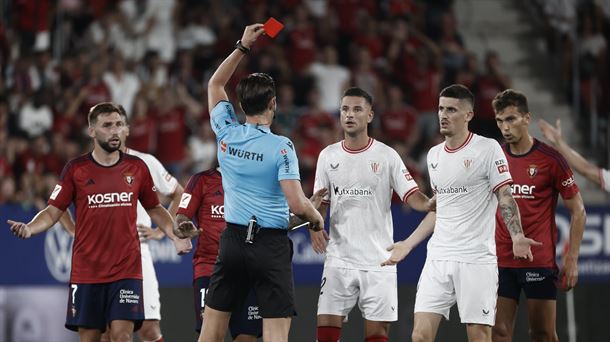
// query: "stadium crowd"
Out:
[154,57]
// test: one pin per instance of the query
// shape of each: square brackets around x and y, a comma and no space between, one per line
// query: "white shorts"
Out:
[152,303]
[375,292]
[473,286]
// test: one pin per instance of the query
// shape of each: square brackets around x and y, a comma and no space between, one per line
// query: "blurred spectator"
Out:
[35,116]
[287,113]
[331,79]
[123,84]
[398,121]
[202,148]
[142,126]
[301,41]
[487,86]
[314,117]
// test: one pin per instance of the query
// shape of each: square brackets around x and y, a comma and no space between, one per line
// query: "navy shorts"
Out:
[537,283]
[265,266]
[94,306]
[245,320]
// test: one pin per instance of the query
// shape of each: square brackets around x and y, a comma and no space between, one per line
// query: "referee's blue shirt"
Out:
[253,161]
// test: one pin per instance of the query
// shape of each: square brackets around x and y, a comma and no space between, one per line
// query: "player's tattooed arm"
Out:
[510,214]
[509,210]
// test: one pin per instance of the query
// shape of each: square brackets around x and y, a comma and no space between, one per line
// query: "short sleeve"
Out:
[63,193]
[321,180]
[400,178]
[498,171]
[563,180]
[287,161]
[191,197]
[163,180]
[148,192]
[221,117]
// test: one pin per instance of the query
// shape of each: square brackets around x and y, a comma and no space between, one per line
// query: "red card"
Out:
[272,27]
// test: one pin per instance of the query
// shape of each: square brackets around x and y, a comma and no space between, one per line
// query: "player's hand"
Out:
[552,134]
[568,276]
[251,33]
[432,203]
[146,233]
[20,229]
[319,240]
[522,247]
[186,230]
[183,246]
[316,199]
[399,250]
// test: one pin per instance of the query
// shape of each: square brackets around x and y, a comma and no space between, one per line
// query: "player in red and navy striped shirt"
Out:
[540,175]
[203,198]
[105,185]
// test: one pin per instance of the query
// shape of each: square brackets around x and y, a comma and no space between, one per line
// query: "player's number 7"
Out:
[74,288]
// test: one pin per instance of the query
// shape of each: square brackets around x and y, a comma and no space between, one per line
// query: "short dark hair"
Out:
[359,92]
[458,91]
[510,97]
[254,93]
[122,112]
[103,108]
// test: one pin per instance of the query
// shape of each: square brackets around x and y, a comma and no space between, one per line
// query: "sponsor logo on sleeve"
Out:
[55,192]
[568,182]
[185,200]
[407,174]
[501,165]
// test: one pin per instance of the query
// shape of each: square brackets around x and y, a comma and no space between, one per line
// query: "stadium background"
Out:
[58,57]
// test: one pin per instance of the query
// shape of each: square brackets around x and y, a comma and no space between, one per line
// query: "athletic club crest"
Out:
[467,163]
[376,167]
[532,171]
[129,179]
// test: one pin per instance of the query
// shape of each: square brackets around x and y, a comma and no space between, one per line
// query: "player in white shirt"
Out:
[360,174]
[595,174]
[470,177]
[167,185]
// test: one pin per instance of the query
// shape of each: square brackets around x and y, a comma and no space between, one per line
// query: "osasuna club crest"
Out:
[129,179]
[532,171]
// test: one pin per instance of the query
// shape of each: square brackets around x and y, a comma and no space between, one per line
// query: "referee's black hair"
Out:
[254,93]
[458,91]
[359,92]
[510,97]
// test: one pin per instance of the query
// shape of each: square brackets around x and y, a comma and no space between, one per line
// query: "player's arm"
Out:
[300,205]
[163,219]
[576,161]
[578,216]
[147,233]
[216,84]
[44,220]
[512,219]
[68,223]
[421,202]
[401,249]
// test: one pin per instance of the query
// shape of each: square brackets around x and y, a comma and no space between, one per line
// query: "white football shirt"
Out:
[464,180]
[164,182]
[360,185]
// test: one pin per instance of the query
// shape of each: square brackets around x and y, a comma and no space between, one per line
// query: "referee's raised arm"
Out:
[216,84]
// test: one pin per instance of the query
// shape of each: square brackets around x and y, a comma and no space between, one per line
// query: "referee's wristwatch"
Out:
[239,46]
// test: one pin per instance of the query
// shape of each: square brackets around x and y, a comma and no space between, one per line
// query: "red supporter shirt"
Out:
[106,246]
[539,176]
[204,197]
[171,136]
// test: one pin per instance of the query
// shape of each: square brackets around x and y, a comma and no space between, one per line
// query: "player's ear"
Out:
[91,131]
[272,105]
[527,117]
[370,116]
[469,116]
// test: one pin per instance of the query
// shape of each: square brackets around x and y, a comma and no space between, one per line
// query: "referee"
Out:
[261,181]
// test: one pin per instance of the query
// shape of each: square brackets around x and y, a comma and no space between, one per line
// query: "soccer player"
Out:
[260,176]
[470,177]
[361,174]
[204,199]
[539,175]
[597,175]
[105,184]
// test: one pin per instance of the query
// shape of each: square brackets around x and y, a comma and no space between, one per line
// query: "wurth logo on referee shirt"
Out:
[111,199]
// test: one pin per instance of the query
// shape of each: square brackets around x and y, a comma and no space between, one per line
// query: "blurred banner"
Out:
[45,259]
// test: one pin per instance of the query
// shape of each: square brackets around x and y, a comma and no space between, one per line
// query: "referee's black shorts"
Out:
[265,265]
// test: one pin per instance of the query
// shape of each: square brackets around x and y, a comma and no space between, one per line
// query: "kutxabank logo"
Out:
[58,253]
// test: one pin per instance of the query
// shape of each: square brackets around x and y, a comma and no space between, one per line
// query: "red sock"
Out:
[377,338]
[328,334]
